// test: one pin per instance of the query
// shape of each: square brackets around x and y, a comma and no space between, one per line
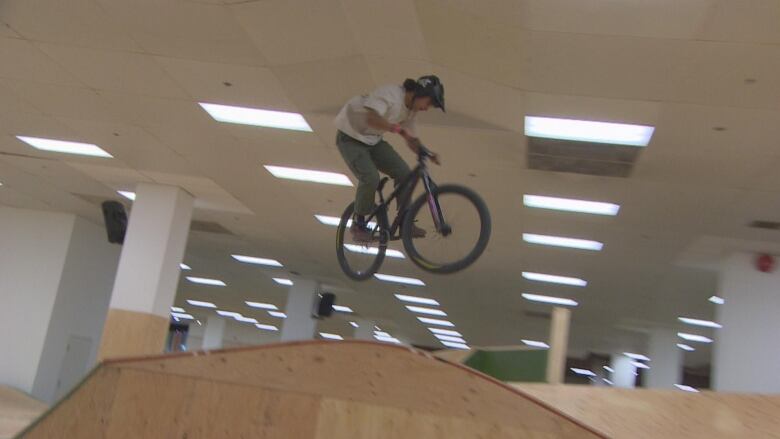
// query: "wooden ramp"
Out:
[17,411]
[343,390]
[666,414]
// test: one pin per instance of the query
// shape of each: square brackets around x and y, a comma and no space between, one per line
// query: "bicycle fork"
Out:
[433,204]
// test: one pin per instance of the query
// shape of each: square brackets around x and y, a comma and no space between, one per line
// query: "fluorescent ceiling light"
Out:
[201,304]
[608,382]
[436,321]
[685,347]
[445,332]
[205,281]
[229,313]
[423,310]
[261,305]
[583,372]
[388,339]
[277,314]
[184,267]
[256,117]
[65,146]
[540,277]
[588,131]
[283,281]
[697,322]
[415,299]
[559,241]
[450,344]
[127,194]
[399,279]
[609,369]
[571,205]
[686,388]
[381,334]
[257,261]
[245,319]
[334,221]
[309,175]
[373,251]
[450,338]
[536,344]
[717,300]
[329,336]
[549,299]
[177,309]
[340,308]
[639,365]
[354,325]
[694,337]
[180,315]
[638,357]
[266,327]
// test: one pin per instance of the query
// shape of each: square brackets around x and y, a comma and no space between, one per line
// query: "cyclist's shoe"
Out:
[418,232]
[360,232]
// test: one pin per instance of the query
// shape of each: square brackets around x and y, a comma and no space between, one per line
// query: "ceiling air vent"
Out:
[769,225]
[606,160]
[209,227]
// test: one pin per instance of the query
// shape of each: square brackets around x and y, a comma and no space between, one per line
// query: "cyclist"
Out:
[362,122]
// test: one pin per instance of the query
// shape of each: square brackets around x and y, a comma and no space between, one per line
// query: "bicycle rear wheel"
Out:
[360,260]
[467,219]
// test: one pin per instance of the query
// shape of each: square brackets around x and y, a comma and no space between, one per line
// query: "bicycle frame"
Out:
[403,192]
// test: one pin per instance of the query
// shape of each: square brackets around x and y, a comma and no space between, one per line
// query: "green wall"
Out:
[511,365]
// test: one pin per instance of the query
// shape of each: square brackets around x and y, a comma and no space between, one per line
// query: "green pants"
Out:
[366,161]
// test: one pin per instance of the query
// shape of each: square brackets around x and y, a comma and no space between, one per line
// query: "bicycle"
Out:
[449,231]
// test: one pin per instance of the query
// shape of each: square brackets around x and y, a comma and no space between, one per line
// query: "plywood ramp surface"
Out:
[667,414]
[319,389]
[17,410]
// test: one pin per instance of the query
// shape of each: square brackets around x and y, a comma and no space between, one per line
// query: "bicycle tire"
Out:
[472,256]
[382,227]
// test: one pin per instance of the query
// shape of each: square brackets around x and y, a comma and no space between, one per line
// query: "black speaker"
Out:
[324,307]
[116,221]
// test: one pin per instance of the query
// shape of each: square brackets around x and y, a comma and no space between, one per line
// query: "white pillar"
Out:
[299,324]
[665,360]
[559,342]
[56,272]
[214,333]
[746,355]
[148,271]
[624,374]
[365,329]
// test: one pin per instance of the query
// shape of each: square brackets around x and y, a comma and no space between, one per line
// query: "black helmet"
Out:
[430,85]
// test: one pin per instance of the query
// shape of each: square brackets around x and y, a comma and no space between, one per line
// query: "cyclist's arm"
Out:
[378,122]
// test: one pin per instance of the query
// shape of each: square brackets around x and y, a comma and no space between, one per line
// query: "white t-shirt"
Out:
[387,101]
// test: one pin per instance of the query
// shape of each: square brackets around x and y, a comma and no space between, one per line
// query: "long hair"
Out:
[410,85]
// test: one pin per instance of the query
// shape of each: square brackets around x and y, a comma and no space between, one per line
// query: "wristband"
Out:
[396,128]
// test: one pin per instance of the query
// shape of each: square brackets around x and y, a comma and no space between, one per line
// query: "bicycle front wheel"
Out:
[359,259]
[457,227]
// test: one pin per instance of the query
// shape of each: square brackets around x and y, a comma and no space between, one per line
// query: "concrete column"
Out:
[559,341]
[148,273]
[624,374]
[365,329]
[665,360]
[214,333]
[56,272]
[746,355]
[299,324]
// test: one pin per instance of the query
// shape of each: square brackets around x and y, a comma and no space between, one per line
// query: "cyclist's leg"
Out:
[357,155]
[389,162]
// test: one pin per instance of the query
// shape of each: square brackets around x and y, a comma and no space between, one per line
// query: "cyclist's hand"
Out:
[435,158]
